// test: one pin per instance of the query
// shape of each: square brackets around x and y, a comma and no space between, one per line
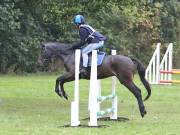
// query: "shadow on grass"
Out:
[119,119]
[85,126]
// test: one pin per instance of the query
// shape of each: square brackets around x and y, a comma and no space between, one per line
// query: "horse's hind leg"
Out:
[137,93]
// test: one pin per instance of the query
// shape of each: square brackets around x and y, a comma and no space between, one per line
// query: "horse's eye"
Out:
[43,47]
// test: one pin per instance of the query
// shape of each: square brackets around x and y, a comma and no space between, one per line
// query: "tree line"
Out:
[132,27]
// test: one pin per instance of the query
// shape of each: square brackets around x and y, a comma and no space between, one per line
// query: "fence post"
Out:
[75,104]
[93,106]
[114,100]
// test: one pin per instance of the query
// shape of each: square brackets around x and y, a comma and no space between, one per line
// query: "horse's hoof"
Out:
[143,113]
[65,96]
[60,93]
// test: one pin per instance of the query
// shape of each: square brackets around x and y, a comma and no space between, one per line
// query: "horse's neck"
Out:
[60,53]
[68,59]
[64,53]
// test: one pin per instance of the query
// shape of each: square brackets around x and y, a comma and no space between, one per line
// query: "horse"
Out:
[122,67]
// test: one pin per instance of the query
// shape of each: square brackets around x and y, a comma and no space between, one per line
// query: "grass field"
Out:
[29,106]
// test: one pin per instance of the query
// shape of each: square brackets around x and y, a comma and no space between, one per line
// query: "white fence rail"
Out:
[153,74]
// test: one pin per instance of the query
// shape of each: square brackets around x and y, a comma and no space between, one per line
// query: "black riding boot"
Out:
[83,71]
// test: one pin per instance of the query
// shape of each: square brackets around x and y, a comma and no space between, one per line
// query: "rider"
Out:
[90,39]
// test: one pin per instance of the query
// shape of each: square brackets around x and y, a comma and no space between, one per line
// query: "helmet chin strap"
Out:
[78,26]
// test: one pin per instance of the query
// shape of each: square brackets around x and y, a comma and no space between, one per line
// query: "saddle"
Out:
[100,58]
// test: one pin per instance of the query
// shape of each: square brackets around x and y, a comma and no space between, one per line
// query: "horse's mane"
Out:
[59,46]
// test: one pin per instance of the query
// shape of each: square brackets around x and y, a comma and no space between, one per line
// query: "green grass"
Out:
[29,106]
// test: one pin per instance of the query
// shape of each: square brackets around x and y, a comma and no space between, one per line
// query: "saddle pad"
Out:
[100,58]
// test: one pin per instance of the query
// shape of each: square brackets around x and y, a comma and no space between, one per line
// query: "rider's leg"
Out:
[85,52]
[85,59]
[88,49]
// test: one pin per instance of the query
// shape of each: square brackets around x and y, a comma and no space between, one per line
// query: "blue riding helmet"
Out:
[78,19]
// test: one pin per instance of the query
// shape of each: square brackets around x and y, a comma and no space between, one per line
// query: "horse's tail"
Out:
[141,71]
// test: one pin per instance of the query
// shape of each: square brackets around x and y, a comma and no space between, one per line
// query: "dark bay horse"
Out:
[113,65]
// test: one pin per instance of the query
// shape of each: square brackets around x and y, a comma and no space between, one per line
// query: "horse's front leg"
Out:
[67,77]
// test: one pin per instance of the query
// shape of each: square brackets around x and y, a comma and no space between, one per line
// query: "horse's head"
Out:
[50,50]
[45,55]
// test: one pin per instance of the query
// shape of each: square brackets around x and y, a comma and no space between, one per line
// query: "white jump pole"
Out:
[75,104]
[166,64]
[158,64]
[95,97]
[114,100]
[99,95]
[93,103]
[170,60]
[113,115]
[152,71]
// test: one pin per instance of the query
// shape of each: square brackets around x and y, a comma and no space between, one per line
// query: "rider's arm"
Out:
[83,33]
